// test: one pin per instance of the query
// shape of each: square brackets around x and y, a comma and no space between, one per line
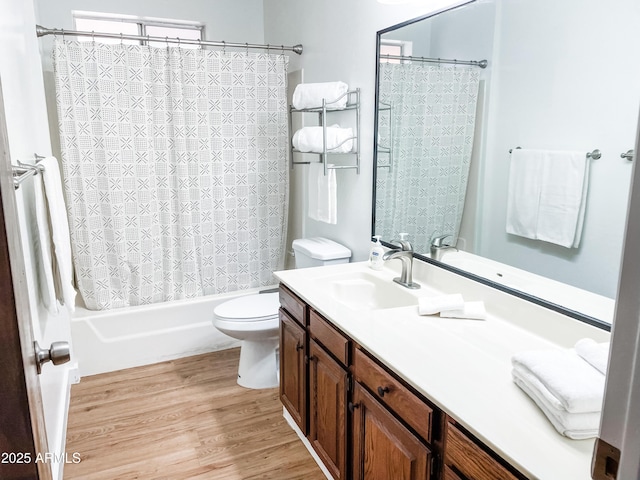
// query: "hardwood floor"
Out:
[182,419]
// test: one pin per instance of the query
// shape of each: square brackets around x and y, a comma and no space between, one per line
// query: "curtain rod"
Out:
[42,31]
[475,63]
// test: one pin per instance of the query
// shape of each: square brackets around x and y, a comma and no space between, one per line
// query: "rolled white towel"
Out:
[309,139]
[470,310]
[431,305]
[596,354]
[577,426]
[310,95]
[577,386]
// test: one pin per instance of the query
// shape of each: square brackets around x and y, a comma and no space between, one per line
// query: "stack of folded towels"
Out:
[451,306]
[567,385]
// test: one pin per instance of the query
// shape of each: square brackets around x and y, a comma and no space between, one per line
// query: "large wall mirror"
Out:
[559,78]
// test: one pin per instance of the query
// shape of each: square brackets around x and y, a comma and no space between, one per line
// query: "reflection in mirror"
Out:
[444,133]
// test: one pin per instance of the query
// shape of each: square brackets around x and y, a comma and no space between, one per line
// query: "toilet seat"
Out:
[251,308]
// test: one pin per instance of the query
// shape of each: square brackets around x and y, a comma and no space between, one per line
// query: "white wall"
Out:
[339,40]
[26,116]
[581,93]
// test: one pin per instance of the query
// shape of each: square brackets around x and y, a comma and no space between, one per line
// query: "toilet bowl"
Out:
[253,319]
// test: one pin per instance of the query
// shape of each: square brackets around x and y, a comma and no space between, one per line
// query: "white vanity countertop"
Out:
[464,366]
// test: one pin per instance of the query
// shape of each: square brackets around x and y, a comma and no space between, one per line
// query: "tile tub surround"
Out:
[463,366]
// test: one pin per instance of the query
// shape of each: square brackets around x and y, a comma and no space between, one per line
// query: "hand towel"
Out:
[323,194]
[42,243]
[310,95]
[596,354]
[577,426]
[577,386]
[431,305]
[547,195]
[59,230]
[470,311]
[309,139]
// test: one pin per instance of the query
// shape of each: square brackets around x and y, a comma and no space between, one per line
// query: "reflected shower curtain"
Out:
[175,169]
[429,131]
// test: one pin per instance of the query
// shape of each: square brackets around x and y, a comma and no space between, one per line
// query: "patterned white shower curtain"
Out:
[429,130]
[175,169]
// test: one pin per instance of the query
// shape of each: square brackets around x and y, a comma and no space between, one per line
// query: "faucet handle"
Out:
[438,241]
[403,242]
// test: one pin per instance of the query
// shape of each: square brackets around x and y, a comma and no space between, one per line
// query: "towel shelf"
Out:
[353,104]
[23,171]
[594,154]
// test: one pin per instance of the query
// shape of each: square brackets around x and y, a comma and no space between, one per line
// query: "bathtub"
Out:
[109,340]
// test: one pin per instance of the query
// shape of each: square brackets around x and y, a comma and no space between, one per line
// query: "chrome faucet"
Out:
[406,257]
[438,247]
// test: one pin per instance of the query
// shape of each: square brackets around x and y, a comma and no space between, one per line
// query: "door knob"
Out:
[58,353]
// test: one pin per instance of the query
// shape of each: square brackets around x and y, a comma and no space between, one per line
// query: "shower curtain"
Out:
[175,169]
[429,131]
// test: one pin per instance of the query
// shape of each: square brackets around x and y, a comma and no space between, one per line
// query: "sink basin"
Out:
[364,291]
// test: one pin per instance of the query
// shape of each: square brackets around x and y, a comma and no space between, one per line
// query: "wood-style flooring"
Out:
[182,419]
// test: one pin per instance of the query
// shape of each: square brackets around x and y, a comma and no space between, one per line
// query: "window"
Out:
[92,22]
[398,48]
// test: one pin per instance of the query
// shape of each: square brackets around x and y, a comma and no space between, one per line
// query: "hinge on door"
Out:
[605,461]
[349,384]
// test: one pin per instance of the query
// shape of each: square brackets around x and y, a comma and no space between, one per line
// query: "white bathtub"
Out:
[110,340]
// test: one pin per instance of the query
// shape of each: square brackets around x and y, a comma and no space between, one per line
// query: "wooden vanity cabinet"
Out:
[466,458]
[328,389]
[383,447]
[379,428]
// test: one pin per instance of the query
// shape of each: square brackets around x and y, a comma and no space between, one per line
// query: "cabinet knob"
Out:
[299,347]
[353,406]
[382,391]
[309,358]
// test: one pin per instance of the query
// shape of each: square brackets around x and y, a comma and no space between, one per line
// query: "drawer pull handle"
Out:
[299,347]
[353,406]
[382,391]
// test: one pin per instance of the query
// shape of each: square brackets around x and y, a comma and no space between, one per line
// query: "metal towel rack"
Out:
[595,154]
[22,171]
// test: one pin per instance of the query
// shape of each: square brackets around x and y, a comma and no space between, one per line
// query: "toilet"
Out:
[253,319]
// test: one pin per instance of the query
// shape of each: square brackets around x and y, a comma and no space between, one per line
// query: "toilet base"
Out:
[258,366]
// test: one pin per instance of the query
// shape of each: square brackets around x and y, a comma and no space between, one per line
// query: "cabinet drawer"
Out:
[295,307]
[470,459]
[329,337]
[396,396]
[450,474]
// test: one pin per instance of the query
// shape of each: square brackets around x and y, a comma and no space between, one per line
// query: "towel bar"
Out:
[22,171]
[595,154]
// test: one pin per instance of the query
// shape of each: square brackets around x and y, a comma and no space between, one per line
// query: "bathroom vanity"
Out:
[362,372]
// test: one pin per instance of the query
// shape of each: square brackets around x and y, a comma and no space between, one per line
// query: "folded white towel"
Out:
[310,95]
[547,195]
[309,139]
[596,354]
[59,230]
[577,386]
[431,305]
[577,426]
[470,310]
[45,260]
[323,192]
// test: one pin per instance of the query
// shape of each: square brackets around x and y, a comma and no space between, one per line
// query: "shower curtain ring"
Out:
[166,40]
[224,47]
[246,47]
[93,36]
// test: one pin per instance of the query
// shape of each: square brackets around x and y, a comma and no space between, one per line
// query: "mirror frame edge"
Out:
[595,322]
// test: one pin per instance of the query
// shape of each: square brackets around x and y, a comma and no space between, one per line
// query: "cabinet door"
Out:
[293,387]
[383,448]
[328,410]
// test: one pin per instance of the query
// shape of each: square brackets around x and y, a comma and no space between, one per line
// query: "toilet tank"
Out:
[317,251]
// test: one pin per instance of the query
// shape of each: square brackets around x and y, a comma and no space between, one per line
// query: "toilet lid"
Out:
[262,306]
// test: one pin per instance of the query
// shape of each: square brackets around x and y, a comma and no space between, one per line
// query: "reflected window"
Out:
[394,49]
